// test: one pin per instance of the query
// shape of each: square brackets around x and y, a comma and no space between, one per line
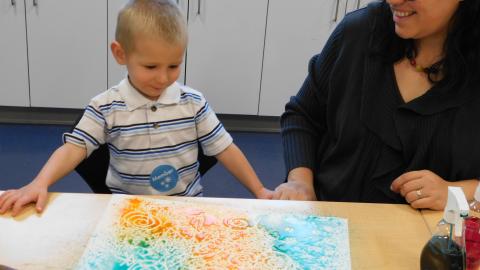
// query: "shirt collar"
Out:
[135,99]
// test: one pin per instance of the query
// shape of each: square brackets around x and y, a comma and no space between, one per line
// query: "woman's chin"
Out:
[402,33]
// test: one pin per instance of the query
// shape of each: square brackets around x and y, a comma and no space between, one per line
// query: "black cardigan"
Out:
[349,124]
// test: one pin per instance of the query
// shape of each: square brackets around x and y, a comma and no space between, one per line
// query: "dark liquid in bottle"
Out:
[440,253]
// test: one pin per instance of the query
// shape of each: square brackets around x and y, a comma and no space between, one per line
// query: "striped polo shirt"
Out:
[153,144]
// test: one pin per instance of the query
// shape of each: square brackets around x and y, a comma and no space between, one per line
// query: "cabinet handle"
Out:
[199,3]
[358,4]
[35,3]
[13,2]
[336,11]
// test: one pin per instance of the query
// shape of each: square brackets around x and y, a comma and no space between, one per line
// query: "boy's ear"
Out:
[118,52]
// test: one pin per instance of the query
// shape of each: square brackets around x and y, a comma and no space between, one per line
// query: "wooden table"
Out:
[382,236]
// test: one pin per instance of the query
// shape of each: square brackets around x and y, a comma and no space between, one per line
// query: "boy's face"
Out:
[153,64]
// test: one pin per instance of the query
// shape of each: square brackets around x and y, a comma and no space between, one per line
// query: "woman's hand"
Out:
[295,190]
[18,198]
[422,189]
[299,186]
[264,193]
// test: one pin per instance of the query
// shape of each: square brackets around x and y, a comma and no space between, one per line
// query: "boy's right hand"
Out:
[17,199]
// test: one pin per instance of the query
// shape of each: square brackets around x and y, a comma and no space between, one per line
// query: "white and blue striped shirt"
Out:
[145,137]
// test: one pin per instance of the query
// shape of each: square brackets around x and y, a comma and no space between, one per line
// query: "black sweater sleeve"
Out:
[303,124]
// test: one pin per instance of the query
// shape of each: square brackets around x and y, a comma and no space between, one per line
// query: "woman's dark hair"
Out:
[461,64]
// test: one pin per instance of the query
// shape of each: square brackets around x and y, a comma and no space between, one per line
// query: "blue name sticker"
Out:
[164,178]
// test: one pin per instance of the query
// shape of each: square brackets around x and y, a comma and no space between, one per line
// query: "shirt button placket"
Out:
[154,109]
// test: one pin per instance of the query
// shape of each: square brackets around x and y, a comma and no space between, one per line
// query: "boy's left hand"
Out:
[264,193]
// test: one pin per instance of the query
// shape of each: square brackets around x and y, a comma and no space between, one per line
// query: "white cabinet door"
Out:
[67,52]
[13,54]
[116,72]
[224,55]
[295,32]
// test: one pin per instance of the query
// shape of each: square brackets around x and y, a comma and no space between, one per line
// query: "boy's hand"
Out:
[17,199]
[264,193]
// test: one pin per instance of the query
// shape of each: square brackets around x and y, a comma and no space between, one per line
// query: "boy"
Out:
[151,124]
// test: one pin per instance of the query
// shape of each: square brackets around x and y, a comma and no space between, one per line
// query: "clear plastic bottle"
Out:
[446,248]
[475,204]
[444,251]
[472,233]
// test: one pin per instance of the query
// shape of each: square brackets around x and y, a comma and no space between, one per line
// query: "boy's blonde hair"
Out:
[156,18]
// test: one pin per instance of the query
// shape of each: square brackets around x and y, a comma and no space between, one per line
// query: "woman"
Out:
[390,110]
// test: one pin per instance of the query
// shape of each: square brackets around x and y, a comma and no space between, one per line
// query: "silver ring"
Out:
[418,192]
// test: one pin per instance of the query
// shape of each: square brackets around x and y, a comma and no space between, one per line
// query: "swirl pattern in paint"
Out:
[139,233]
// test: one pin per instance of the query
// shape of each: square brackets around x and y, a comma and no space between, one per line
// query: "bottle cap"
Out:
[457,208]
